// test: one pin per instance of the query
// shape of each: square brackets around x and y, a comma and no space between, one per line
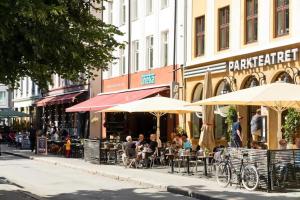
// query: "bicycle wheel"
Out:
[223,174]
[250,177]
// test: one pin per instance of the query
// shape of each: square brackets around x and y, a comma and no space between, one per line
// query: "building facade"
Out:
[5,97]
[244,43]
[50,108]
[150,60]
[24,97]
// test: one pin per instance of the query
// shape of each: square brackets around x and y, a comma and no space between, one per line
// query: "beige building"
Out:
[243,43]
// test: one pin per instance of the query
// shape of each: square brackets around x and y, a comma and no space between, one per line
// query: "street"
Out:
[54,182]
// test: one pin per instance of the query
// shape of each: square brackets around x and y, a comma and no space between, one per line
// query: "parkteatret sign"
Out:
[264,60]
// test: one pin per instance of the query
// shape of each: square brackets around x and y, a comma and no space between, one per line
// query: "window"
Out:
[164,48]
[149,56]
[27,85]
[110,12]
[122,62]
[196,117]
[282,17]
[135,55]
[224,28]
[21,87]
[109,70]
[33,89]
[200,35]
[134,8]
[122,12]
[164,4]
[251,21]
[2,98]
[149,7]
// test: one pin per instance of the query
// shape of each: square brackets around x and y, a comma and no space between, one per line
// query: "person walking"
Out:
[256,125]
[32,138]
[68,147]
[237,132]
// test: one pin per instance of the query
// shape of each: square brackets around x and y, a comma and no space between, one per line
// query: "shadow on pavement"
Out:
[122,194]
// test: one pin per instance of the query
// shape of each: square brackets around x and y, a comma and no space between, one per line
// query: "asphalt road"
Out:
[46,181]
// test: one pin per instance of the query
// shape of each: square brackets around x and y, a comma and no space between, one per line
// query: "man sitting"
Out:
[129,150]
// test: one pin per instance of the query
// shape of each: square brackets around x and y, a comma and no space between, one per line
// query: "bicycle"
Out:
[247,175]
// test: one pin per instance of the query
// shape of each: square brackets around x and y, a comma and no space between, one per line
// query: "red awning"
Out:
[104,101]
[61,99]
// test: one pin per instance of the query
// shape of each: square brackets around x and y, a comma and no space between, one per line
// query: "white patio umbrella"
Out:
[279,96]
[158,106]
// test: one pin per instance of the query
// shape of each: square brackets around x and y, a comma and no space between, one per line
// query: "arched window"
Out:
[251,82]
[196,118]
[284,76]
[220,125]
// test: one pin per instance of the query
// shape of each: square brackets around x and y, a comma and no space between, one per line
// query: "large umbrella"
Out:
[9,113]
[158,106]
[207,138]
[279,96]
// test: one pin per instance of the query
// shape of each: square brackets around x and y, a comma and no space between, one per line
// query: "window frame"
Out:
[122,62]
[135,55]
[134,10]
[200,35]
[122,12]
[164,51]
[3,102]
[149,49]
[278,9]
[149,12]
[251,18]
[164,5]
[224,26]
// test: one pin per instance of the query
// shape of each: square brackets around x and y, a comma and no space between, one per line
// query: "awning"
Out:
[61,99]
[104,101]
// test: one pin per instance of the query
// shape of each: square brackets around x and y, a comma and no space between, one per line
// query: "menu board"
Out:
[42,145]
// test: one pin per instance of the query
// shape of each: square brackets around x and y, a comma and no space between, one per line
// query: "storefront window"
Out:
[285,77]
[220,125]
[196,117]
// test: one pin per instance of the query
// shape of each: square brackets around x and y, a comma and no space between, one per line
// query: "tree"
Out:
[39,38]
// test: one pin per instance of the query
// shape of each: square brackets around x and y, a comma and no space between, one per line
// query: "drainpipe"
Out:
[174,54]
[129,45]
[184,60]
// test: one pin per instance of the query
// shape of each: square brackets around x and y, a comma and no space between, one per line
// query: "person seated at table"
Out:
[141,142]
[129,150]
[178,140]
[255,145]
[187,145]
[283,161]
[149,149]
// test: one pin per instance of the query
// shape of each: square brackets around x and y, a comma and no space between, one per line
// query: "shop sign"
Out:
[175,90]
[264,60]
[148,79]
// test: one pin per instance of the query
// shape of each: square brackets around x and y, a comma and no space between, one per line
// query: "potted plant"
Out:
[292,122]
[230,118]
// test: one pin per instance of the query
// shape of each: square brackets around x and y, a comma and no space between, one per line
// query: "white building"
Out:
[25,96]
[4,97]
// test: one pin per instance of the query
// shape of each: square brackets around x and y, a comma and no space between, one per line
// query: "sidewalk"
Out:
[200,188]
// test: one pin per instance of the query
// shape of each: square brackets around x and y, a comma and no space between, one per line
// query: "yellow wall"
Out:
[271,73]
[199,9]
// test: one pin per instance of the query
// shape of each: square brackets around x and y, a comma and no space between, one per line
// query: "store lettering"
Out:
[148,79]
[264,60]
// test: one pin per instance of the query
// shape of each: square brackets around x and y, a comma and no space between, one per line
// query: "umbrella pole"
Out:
[158,115]
[279,133]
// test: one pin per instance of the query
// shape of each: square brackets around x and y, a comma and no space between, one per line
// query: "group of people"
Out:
[140,150]
[255,127]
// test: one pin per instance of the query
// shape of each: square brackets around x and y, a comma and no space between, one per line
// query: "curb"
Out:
[171,189]
[190,193]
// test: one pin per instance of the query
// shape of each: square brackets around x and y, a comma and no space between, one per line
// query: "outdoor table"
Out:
[107,150]
[205,158]
[171,157]
[187,157]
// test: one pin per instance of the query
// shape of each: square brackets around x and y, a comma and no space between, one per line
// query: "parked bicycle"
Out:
[247,174]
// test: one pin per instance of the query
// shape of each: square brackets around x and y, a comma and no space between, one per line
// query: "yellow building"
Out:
[243,43]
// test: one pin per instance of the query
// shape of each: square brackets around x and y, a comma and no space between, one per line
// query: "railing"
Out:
[278,169]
